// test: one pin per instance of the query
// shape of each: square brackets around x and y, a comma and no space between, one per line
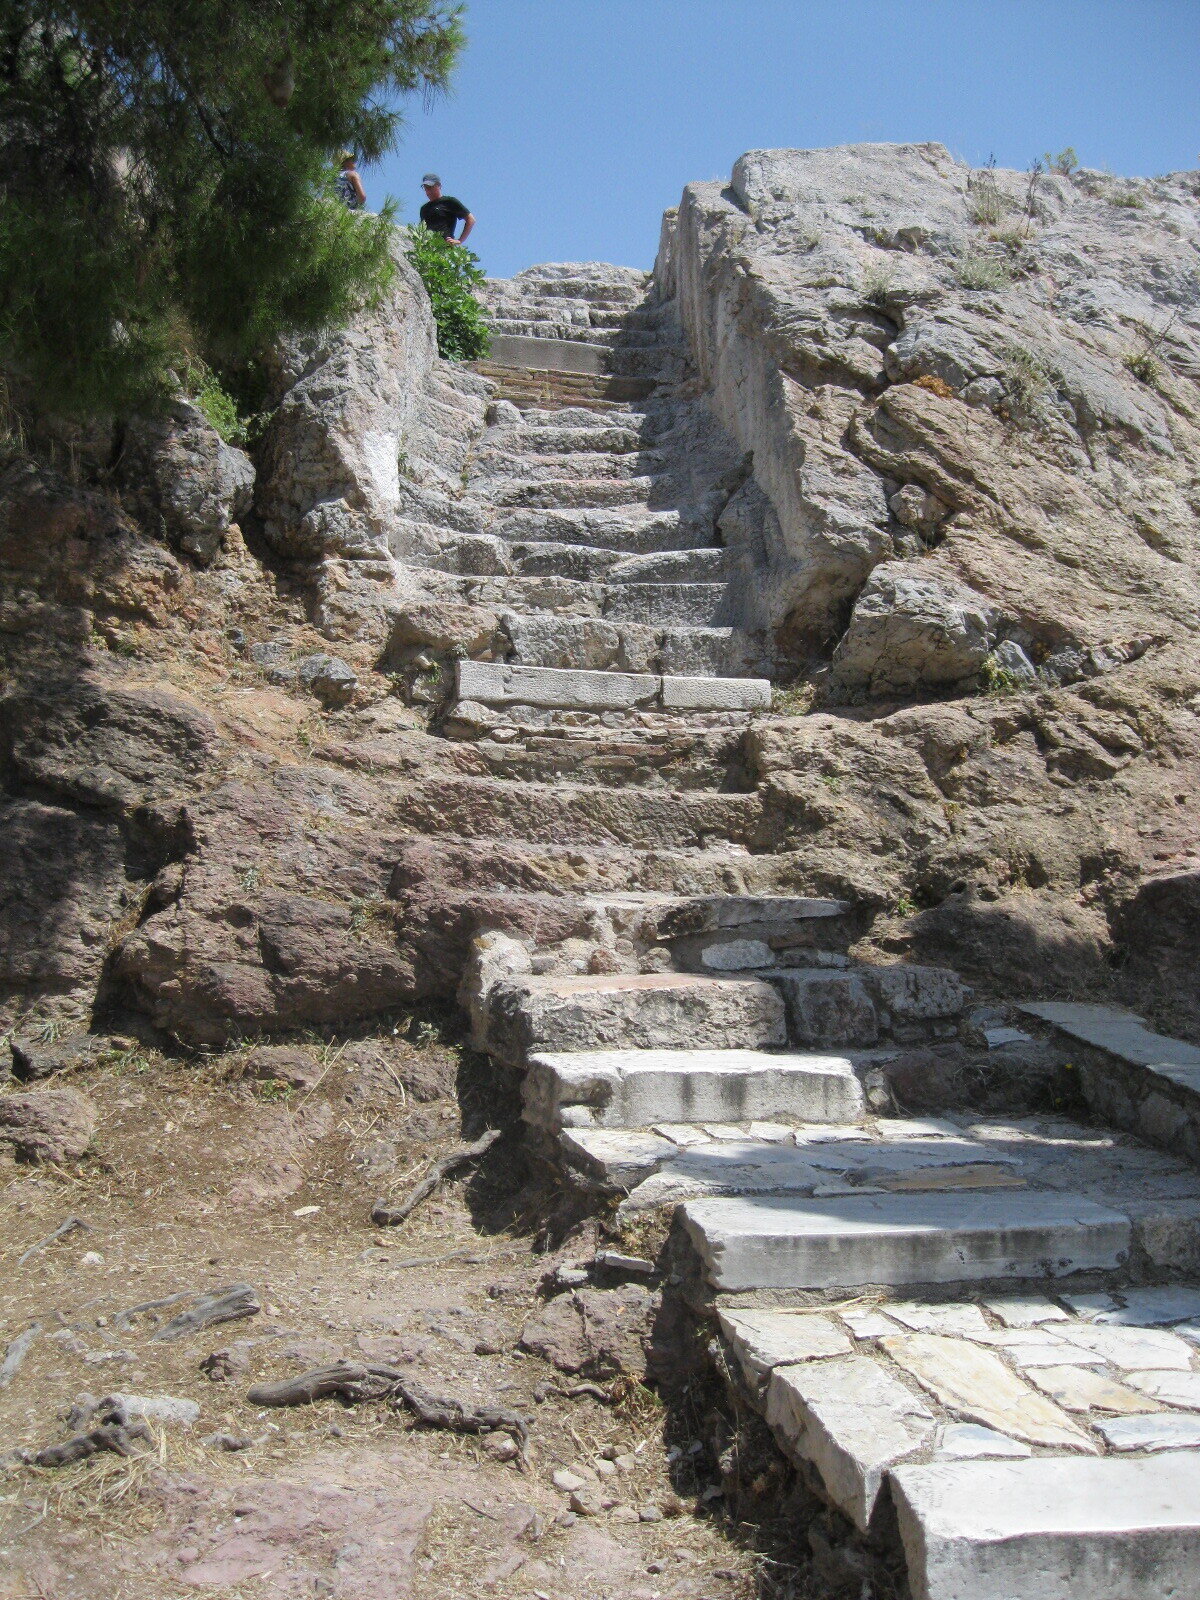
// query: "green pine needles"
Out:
[449,271]
[167,180]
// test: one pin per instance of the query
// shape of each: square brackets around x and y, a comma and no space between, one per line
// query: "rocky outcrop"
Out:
[992,372]
[909,629]
[184,480]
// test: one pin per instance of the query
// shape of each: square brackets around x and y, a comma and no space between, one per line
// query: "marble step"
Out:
[640,819]
[638,1088]
[573,439]
[593,290]
[577,419]
[503,683]
[655,605]
[596,563]
[1052,1529]
[526,1016]
[762,1242]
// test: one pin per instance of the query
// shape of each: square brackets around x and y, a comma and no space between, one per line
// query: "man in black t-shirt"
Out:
[442,213]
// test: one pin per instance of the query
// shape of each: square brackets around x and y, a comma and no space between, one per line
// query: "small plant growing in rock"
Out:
[1064,163]
[1145,366]
[1127,199]
[877,287]
[997,680]
[935,385]
[1027,382]
[794,701]
[987,204]
[905,906]
[977,271]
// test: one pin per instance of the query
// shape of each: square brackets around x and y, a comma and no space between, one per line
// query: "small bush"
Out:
[1064,163]
[976,271]
[1128,199]
[449,271]
[1027,382]
[209,395]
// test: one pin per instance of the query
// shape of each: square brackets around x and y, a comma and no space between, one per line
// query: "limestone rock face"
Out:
[909,629]
[991,375]
[186,479]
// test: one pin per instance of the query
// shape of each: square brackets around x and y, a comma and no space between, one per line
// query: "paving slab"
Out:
[1025,1311]
[767,1242]
[977,1386]
[970,1441]
[716,694]
[1049,1529]
[1140,1308]
[1083,1389]
[964,1321]
[1172,1388]
[1164,1430]
[1131,1349]
[852,1420]
[496,683]
[639,1088]
[764,1340]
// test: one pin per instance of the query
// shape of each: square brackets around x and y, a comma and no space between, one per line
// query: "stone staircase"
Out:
[980,1335]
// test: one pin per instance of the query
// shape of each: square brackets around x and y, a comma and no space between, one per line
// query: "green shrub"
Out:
[1144,365]
[997,680]
[1129,199]
[449,271]
[877,287]
[1064,163]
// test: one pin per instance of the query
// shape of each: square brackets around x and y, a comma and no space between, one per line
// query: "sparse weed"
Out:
[248,880]
[877,287]
[831,781]
[1027,381]
[1145,366]
[997,680]
[905,905]
[987,204]
[977,271]
[794,701]
[363,910]
[1127,199]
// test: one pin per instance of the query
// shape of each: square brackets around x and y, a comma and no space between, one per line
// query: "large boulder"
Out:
[186,482]
[911,630]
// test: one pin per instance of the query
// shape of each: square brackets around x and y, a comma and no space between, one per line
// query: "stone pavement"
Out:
[982,1333]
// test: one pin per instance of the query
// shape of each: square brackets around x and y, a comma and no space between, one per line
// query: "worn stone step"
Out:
[444,863]
[505,322]
[697,604]
[698,565]
[1051,1529]
[593,282]
[561,439]
[526,386]
[688,761]
[582,563]
[650,1011]
[560,813]
[502,683]
[638,1088]
[645,423]
[497,465]
[551,494]
[761,1242]
[634,529]
[595,644]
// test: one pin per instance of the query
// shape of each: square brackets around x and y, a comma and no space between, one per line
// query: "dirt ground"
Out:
[202,1177]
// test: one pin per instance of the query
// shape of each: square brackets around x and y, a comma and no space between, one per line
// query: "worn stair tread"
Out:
[503,683]
[763,1242]
[638,1088]
[1122,1033]
[1051,1528]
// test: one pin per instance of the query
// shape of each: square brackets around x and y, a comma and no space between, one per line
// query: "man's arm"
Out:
[462,238]
[356,185]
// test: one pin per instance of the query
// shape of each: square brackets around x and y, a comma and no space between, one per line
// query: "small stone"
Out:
[606,1469]
[623,1514]
[650,1513]
[501,1447]
[328,677]
[231,1442]
[626,1463]
[1167,1430]
[569,1482]
[968,1441]
[672,1505]
[587,1502]
[737,955]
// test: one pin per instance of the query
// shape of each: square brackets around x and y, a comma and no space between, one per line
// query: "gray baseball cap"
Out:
[429,179]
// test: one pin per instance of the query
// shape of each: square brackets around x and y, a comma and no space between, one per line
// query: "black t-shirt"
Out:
[443,216]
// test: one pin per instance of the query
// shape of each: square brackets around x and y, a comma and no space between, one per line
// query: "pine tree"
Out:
[166,179]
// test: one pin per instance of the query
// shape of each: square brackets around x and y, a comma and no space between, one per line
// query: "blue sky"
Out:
[573,124]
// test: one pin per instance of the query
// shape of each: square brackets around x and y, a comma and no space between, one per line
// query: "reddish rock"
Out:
[47,1124]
